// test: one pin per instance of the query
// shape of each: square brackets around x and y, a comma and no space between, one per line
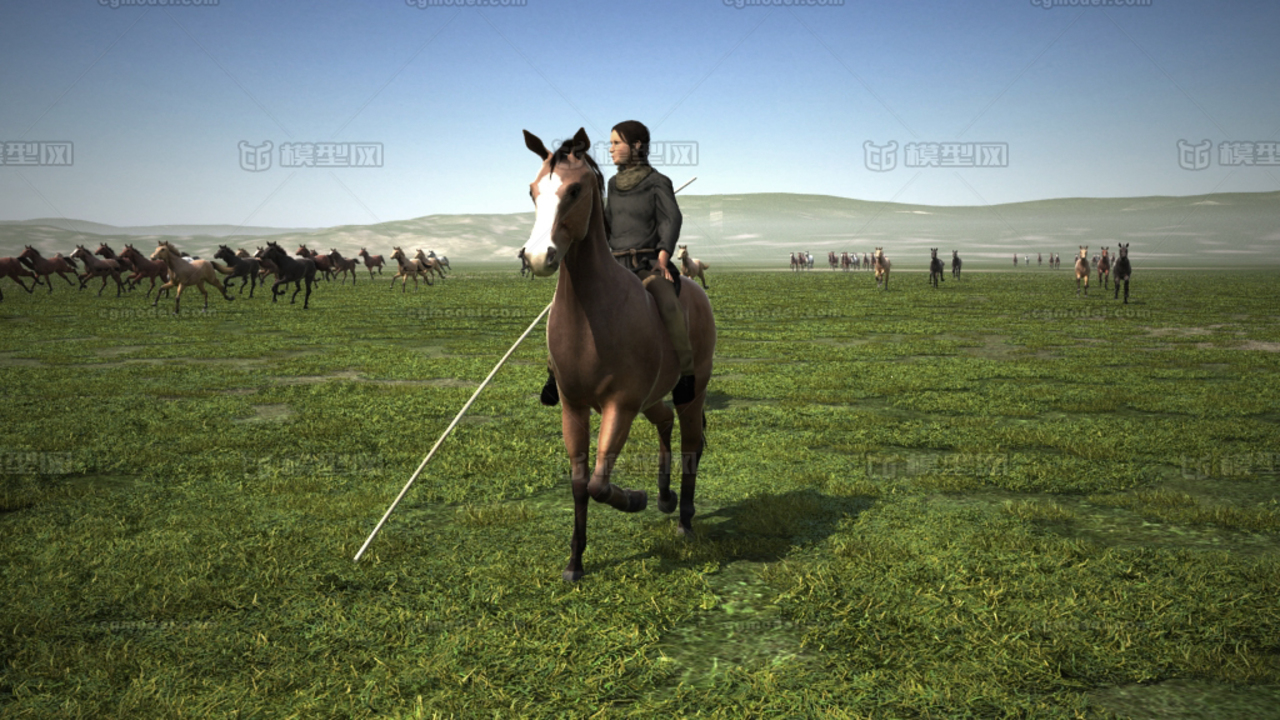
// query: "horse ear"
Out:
[580,142]
[532,142]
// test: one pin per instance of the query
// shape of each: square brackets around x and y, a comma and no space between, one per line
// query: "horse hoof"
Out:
[684,532]
[668,506]
[637,500]
[572,576]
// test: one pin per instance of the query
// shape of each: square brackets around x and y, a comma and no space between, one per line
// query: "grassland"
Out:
[992,500]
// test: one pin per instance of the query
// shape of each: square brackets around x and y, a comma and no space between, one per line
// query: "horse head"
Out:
[566,196]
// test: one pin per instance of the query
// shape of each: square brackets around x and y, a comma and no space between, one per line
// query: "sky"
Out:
[386,110]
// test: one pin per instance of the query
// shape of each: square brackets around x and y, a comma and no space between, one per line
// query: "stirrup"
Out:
[550,393]
[682,393]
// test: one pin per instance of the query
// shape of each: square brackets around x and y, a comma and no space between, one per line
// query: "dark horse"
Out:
[291,270]
[13,269]
[145,268]
[1104,268]
[955,263]
[245,268]
[1122,272]
[44,267]
[609,348]
[935,268]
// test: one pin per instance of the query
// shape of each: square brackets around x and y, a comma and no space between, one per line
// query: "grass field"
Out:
[995,499]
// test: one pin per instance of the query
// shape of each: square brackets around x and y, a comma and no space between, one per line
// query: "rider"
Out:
[643,221]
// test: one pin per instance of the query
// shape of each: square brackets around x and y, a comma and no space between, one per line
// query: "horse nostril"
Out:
[551,256]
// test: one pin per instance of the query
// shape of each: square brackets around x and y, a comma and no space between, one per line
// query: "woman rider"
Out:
[643,221]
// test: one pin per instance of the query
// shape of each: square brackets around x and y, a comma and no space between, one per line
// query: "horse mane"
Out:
[578,150]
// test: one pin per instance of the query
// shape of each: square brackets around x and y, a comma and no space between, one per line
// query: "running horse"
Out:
[44,267]
[145,269]
[609,348]
[882,266]
[371,261]
[95,267]
[1082,270]
[935,268]
[12,268]
[956,263]
[184,274]
[1122,271]
[1104,267]
[692,267]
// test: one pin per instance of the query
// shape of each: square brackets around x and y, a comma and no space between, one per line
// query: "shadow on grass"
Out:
[763,528]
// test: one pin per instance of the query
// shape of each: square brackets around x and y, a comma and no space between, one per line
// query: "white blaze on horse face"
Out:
[547,207]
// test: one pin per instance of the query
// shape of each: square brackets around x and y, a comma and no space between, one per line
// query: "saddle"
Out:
[633,265]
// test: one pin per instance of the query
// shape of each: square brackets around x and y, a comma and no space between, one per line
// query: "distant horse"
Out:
[268,267]
[13,269]
[1082,270]
[1122,272]
[95,267]
[371,261]
[184,274]
[1015,259]
[1039,259]
[693,268]
[845,262]
[808,260]
[408,268]
[291,270]
[431,263]
[609,347]
[955,263]
[795,264]
[832,260]
[323,266]
[246,269]
[105,252]
[145,268]
[442,260]
[525,267]
[882,266]
[44,267]
[935,268]
[342,266]
[1104,268]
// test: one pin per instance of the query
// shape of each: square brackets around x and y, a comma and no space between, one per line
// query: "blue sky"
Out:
[1088,101]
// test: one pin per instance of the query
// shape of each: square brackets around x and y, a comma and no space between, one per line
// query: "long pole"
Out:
[458,417]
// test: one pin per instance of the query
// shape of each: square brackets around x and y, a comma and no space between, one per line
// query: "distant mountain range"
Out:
[761,229]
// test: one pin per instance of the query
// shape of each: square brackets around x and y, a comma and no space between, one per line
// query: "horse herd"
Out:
[175,268]
[1105,265]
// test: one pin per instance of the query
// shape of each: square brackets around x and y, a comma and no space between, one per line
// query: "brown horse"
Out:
[44,267]
[692,267]
[1104,268]
[609,347]
[371,262]
[431,263]
[12,268]
[323,265]
[95,266]
[145,268]
[1082,270]
[342,266]
[882,266]
[183,274]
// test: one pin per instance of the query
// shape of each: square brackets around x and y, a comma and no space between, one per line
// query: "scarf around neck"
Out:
[630,176]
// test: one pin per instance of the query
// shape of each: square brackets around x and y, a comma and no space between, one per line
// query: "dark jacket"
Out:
[646,216]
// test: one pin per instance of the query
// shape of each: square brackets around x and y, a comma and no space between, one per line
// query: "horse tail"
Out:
[221,268]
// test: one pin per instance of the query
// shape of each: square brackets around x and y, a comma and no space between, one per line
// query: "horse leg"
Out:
[306,299]
[692,442]
[177,298]
[297,288]
[576,425]
[1126,291]
[205,293]
[663,420]
[165,286]
[615,426]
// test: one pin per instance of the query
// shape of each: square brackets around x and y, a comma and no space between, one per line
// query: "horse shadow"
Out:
[763,528]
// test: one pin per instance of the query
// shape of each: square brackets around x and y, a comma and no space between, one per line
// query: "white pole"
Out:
[458,417]
[449,429]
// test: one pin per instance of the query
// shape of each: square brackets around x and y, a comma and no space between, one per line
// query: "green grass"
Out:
[991,500]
